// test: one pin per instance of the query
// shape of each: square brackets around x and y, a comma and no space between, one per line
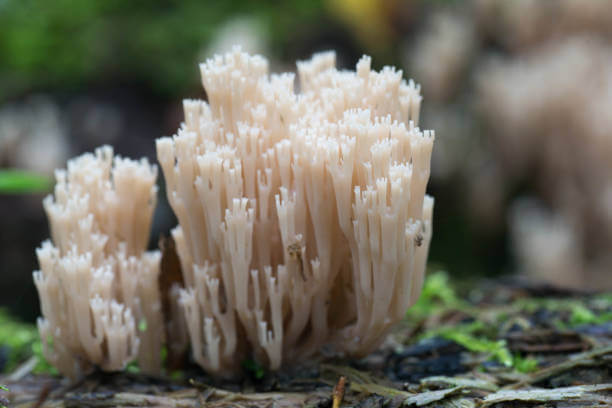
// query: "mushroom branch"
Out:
[303,218]
[97,285]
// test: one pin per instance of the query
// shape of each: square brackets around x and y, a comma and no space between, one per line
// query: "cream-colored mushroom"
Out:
[96,283]
[303,218]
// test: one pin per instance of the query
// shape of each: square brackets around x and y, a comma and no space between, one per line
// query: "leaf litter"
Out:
[507,345]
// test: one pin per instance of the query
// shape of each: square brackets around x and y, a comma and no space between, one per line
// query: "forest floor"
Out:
[503,343]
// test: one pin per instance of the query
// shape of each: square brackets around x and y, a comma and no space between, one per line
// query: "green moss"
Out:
[437,296]
[474,337]
[21,341]
[480,333]
[598,311]
[524,364]
[17,338]
[580,314]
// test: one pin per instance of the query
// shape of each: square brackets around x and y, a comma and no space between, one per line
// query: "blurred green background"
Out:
[499,80]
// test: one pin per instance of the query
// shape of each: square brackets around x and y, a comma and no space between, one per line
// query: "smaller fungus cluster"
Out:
[97,286]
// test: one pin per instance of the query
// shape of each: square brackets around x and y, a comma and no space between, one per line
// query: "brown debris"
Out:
[546,341]
[433,372]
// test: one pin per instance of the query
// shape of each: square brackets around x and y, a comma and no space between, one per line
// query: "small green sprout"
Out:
[253,368]
[524,365]
[3,400]
[132,367]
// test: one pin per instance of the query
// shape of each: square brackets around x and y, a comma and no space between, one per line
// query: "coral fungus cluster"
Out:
[300,214]
[96,283]
[303,218]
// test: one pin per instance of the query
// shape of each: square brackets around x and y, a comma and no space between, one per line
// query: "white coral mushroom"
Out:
[96,283]
[303,216]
